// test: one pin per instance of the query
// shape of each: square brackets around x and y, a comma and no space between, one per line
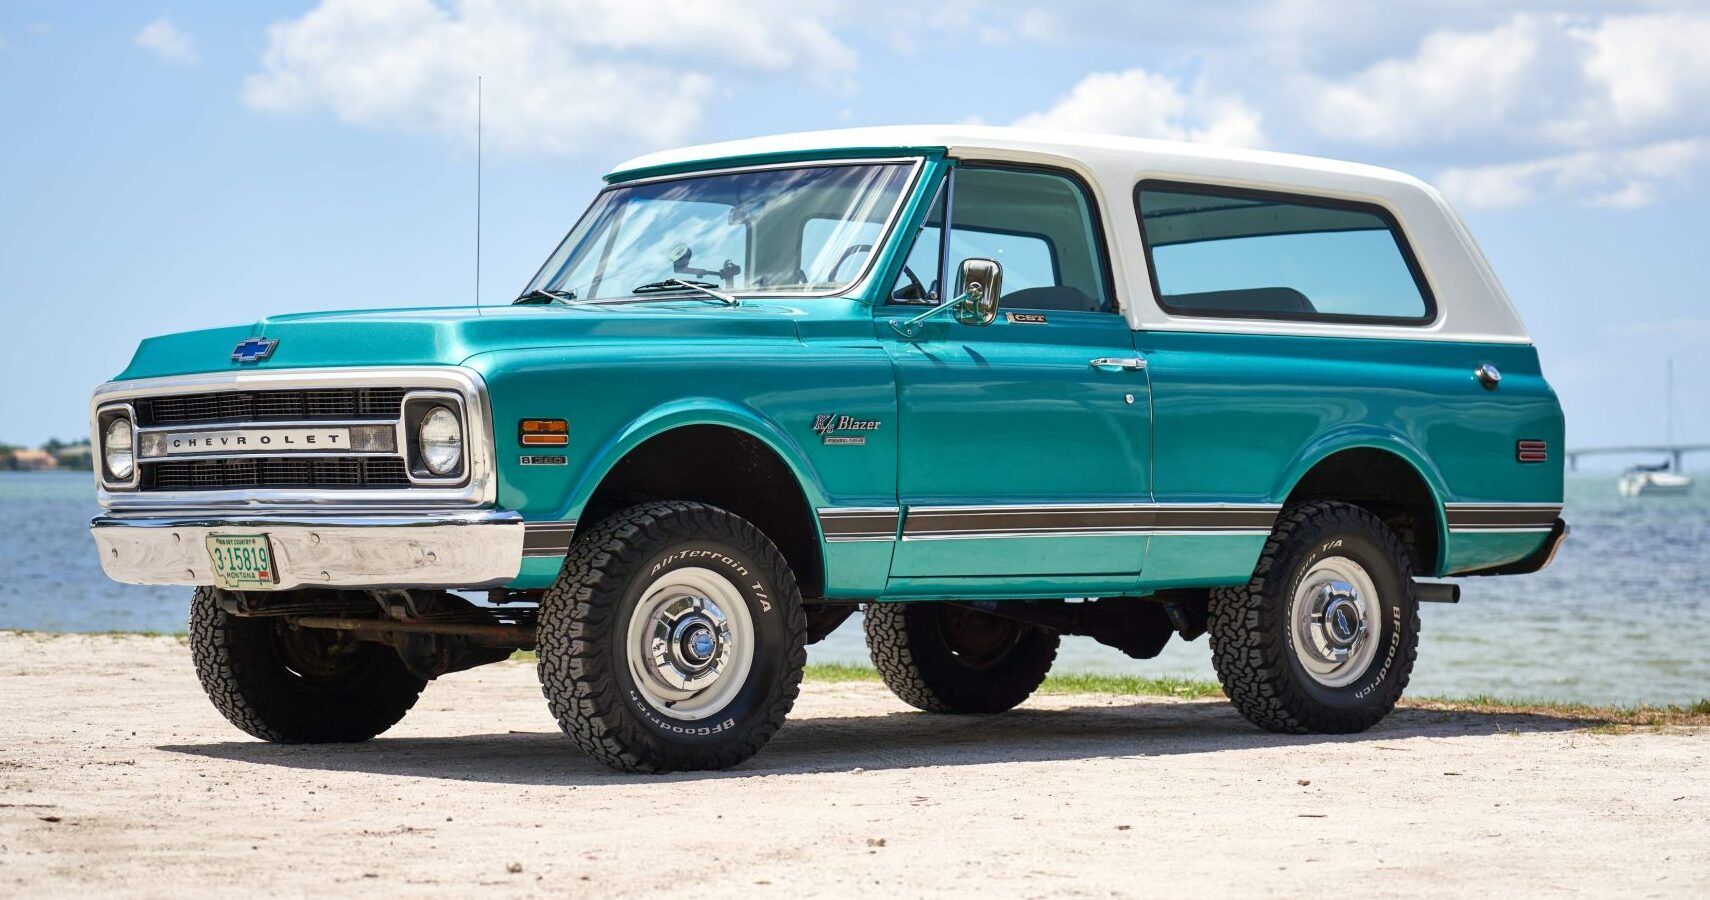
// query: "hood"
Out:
[450,335]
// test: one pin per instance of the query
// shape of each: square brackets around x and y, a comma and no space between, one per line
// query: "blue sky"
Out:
[188,164]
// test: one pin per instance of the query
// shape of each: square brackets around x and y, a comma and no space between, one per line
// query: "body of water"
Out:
[1621,617]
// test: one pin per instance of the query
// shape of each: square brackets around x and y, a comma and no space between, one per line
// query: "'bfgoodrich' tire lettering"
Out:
[1249,625]
[583,666]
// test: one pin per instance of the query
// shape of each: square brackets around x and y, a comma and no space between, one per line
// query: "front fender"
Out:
[684,412]
[617,395]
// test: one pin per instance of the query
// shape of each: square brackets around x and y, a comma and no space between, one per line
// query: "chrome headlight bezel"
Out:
[107,419]
[419,407]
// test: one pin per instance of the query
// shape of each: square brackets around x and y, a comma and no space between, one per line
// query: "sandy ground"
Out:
[117,776]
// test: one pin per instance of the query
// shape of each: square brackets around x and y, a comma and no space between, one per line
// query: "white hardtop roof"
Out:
[977,140]
[1471,302]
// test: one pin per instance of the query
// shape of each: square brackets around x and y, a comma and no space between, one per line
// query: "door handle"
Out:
[1119,363]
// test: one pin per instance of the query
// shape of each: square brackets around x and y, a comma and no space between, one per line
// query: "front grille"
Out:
[275,472]
[380,404]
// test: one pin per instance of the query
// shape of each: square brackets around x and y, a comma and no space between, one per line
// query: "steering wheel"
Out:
[921,294]
[851,250]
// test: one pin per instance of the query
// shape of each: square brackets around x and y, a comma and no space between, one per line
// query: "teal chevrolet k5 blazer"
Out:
[991,386]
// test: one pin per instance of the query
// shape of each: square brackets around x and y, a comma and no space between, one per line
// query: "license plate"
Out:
[242,562]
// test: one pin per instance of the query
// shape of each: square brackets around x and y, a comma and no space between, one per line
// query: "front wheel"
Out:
[1323,638]
[672,640]
[296,685]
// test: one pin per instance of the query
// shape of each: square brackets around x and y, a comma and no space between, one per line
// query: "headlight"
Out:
[117,449]
[440,439]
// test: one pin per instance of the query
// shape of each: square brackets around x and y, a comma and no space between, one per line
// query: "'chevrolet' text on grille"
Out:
[187,443]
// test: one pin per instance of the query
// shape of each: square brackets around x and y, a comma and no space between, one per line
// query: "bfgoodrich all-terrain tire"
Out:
[941,657]
[1323,638]
[296,685]
[672,640]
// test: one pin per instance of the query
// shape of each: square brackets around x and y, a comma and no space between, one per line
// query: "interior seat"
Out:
[1057,298]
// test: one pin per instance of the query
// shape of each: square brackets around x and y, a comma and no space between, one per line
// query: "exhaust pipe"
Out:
[1436,592]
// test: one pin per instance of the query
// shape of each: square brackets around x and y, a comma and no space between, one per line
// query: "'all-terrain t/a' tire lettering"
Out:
[673,639]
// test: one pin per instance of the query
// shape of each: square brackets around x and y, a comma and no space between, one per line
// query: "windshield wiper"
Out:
[544,295]
[679,284]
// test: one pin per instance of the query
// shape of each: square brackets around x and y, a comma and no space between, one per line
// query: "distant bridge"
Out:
[1673,451]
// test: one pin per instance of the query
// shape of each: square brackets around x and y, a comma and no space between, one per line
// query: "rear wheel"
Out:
[942,657]
[672,639]
[1323,638]
[296,685]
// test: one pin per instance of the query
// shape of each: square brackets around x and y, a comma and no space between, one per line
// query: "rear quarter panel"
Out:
[1241,418]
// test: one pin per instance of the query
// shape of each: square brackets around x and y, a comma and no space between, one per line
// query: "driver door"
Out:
[1025,444]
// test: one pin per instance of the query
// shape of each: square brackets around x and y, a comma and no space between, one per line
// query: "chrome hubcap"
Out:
[1331,618]
[691,643]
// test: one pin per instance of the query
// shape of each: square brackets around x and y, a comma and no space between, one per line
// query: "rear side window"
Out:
[1248,254]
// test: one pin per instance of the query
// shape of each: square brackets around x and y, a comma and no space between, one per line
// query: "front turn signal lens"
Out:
[543,432]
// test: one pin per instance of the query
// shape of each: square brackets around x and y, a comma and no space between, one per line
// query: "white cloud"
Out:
[1508,104]
[1606,111]
[1147,104]
[1457,84]
[560,79]
[1531,82]
[1650,70]
[1615,178]
[167,41]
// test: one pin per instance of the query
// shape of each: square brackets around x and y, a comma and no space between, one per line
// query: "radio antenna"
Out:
[477,190]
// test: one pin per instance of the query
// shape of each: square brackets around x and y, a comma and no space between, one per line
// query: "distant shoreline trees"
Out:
[54,455]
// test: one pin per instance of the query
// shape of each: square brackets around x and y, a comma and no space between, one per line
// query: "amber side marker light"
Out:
[543,432]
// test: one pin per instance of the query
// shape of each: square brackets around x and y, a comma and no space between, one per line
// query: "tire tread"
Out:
[577,669]
[253,690]
[1251,655]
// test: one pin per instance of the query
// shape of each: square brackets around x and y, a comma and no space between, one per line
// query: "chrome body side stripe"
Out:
[547,538]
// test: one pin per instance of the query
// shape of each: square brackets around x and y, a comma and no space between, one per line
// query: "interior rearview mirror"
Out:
[979,284]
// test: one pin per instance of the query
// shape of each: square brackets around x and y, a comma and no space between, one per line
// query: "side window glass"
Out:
[918,281]
[1246,254]
[1042,227]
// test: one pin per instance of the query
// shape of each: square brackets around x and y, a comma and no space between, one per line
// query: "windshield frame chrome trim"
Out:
[859,283]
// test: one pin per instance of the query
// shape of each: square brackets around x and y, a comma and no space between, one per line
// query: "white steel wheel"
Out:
[690,643]
[1334,621]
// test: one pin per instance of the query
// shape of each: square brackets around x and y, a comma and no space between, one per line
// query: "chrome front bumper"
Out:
[467,549]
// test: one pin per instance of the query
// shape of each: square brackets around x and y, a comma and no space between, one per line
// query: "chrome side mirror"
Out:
[979,284]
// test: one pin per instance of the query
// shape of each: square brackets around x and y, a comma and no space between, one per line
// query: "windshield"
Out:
[809,230]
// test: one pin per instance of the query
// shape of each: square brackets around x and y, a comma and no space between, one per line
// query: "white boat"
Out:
[1646,481]
[1652,480]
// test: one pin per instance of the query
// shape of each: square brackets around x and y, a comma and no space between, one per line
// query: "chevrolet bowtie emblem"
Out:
[254,350]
